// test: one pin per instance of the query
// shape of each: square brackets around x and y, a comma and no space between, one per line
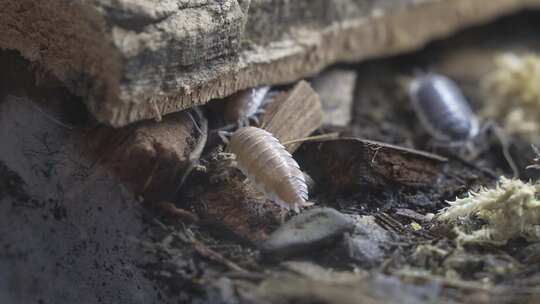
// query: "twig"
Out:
[536,159]
[473,166]
[505,146]
[151,175]
[195,155]
[171,209]
[313,138]
[156,110]
[464,285]
[46,115]
[210,254]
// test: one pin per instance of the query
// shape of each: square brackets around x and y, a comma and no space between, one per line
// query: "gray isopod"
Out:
[442,109]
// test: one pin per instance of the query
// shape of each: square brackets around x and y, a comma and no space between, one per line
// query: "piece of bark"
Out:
[336,89]
[150,157]
[134,60]
[241,209]
[293,115]
[346,163]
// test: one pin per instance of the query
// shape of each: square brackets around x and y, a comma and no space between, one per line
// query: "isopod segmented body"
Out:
[266,163]
[442,109]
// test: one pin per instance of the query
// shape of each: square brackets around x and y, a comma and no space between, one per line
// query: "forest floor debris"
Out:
[203,243]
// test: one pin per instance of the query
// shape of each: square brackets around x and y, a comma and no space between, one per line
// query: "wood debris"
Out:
[346,163]
[150,157]
[294,114]
[135,60]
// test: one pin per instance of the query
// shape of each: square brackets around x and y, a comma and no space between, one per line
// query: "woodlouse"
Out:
[266,163]
[245,105]
[446,115]
[442,109]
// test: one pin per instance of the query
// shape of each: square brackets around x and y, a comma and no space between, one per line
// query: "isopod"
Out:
[446,115]
[268,165]
[442,109]
[245,105]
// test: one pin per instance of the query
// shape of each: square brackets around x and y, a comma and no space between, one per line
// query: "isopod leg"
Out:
[536,159]
[505,145]
[282,215]
[243,122]
[224,136]
[255,120]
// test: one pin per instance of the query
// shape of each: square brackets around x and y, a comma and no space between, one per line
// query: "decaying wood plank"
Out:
[134,60]
[239,208]
[293,115]
[347,163]
[149,157]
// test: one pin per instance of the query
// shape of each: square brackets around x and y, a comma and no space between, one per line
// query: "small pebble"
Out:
[307,231]
[370,243]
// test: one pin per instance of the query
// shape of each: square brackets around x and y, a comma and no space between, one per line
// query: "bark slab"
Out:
[139,59]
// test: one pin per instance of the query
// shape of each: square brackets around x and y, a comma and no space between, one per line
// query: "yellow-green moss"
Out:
[512,95]
[509,210]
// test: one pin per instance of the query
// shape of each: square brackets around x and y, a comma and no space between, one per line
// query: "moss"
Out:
[510,210]
[512,94]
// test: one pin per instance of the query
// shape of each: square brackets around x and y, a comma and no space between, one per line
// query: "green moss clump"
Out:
[512,95]
[510,210]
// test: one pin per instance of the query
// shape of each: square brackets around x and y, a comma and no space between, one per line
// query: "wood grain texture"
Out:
[140,59]
[148,157]
[293,115]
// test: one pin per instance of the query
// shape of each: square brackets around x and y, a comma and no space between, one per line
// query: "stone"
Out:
[369,244]
[308,231]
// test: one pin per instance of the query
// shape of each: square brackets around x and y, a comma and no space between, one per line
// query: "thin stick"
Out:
[172,210]
[195,124]
[151,175]
[210,254]
[156,109]
[195,155]
[313,138]
[48,116]
[536,159]
[473,166]
[501,136]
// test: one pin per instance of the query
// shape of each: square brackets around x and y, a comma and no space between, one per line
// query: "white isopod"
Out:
[245,105]
[268,165]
